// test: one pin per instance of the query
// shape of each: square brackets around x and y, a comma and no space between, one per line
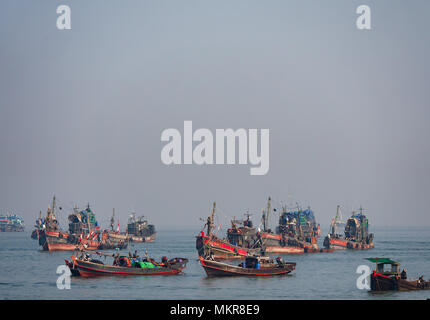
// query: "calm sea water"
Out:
[29,273]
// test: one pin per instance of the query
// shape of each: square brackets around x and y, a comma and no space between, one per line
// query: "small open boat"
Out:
[83,265]
[252,266]
[387,280]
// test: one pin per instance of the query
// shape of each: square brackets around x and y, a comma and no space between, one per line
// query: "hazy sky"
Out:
[82,110]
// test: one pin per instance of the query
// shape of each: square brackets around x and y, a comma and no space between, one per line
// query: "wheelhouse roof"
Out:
[383,261]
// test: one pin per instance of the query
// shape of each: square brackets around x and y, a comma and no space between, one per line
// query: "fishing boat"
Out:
[243,233]
[125,265]
[11,223]
[355,235]
[252,266]
[117,235]
[139,230]
[83,230]
[393,279]
[297,232]
[220,248]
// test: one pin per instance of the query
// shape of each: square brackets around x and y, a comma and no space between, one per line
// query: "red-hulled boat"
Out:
[124,265]
[83,230]
[297,233]
[252,266]
[355,235]
[220,248]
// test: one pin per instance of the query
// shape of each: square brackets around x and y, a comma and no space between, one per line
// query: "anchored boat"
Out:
[139,230]
[252,266]
[220,248]
[297,232]
[392,279]
[125,265]
[83,230]
[116,234]
[11,223]
[355,235]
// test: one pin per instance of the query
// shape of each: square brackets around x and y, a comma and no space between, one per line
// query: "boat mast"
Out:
[88,219]
[266,217]
[112,220]
[211,219]
[337,219]
[53,207]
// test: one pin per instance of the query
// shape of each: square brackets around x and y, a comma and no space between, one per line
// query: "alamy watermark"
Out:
[363,281]
[63,281]
[179,149]
[64,20]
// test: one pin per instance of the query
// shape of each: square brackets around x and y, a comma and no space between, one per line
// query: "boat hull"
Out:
[58,241]
[118,236]
[342,244]
[218,269]
[276,243]
[285,249]
[381,282]
[58,245]
[150,238]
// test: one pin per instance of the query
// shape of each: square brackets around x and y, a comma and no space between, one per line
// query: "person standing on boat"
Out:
[403,275]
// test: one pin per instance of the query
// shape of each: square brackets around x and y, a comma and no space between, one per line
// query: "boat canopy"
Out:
[383,260]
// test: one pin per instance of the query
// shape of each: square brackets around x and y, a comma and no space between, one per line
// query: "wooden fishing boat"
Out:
[219,248]
[124,265]
[140,230]
[252,266]
[355,235]
[83,230]
[297,233]
[393,279]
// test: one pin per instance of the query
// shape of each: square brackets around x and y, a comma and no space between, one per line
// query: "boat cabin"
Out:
[382,262]
[256,262]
